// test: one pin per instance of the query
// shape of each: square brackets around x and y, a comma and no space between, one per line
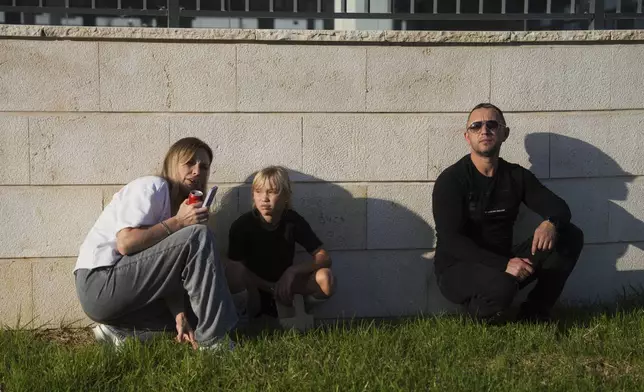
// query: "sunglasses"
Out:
[491,125]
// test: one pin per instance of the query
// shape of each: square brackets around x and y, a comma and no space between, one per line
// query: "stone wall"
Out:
[365,121]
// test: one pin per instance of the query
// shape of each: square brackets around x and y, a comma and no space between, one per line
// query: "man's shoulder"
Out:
[456,171]
[513,168]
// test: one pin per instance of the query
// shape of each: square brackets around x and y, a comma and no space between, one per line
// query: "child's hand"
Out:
[284,287]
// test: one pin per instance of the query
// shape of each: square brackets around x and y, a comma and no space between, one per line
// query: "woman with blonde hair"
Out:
[150,262]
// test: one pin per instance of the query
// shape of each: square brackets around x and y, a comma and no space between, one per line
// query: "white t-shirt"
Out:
[143,202]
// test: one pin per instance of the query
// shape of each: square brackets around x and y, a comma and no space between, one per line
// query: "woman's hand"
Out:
[191,214]
[184,330]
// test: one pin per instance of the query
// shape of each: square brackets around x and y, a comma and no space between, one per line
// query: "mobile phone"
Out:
[210,197]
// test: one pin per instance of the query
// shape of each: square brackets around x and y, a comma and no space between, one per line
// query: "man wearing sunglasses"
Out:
[475,205]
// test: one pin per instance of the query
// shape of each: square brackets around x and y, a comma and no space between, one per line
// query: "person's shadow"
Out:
[596,189]
[381,250]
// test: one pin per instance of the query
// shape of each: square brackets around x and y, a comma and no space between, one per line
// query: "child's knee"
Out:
[326,281]
[237,276]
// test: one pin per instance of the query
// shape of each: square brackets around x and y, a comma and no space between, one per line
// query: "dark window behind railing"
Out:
[332,14]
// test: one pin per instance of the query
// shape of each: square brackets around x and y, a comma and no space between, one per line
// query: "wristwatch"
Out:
[554,221]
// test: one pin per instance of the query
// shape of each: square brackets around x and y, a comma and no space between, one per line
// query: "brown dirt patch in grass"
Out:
[74,337]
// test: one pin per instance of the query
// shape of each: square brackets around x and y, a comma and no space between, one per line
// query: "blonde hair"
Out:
[277,177]
[180,152]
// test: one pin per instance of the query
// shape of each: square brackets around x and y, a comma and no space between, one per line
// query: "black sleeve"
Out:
[448,200]
[305,236]
[542,200]
[236,241]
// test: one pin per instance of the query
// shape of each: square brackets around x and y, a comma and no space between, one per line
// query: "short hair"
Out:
[180,152]
[277,177]
[486,105]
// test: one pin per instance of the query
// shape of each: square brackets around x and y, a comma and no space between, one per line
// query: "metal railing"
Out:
[402,14]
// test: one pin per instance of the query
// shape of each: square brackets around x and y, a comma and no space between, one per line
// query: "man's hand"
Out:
[545,237]
[520,268]
[284,287]
[184,330]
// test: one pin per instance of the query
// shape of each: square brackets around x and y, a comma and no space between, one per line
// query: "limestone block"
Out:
[14,150]
[152,76]
[596,144]
[446,142]
[528,143]
[46,221]
[201,77]
[96,149]
[551,77]
[303,78]
[366,148]
[424,79]
[16,305]
[223,213]
[246,197]
[626,215]
[243,144]
[589,201]
[399,216]
[626,83]
[378,284]
[48,75]
[55,301]
[605,272]
[337,213]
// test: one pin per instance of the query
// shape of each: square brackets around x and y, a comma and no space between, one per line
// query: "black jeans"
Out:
[487,291]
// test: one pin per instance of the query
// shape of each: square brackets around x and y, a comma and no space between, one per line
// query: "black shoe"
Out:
[532,315]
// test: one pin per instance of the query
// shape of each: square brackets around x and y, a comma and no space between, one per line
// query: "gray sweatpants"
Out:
[134,292]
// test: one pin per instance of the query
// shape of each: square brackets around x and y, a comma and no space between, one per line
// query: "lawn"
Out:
[584,352]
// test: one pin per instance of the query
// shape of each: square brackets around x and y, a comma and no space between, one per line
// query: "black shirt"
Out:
[268,250]
[475,214]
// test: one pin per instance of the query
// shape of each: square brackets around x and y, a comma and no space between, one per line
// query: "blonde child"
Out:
[262,247]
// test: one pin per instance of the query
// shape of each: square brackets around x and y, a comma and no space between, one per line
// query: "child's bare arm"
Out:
[256,281]
[321,259]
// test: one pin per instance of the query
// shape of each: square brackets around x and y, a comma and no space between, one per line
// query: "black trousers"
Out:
[487,291]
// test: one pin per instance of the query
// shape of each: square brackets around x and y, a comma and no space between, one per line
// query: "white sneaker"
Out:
[106,334]
[116,336]
[220,346]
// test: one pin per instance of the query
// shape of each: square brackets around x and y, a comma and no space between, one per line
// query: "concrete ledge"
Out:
[430,37]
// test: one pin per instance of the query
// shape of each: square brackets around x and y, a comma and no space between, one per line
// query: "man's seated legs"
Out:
[484,291]
[552,269]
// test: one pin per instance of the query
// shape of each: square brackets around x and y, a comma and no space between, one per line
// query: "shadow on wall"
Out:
[380,249]
[612,257]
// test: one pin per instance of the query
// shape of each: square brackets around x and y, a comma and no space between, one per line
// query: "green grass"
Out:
[602,352]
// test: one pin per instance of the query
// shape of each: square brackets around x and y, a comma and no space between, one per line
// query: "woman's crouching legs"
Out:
[204,278]
[131,294]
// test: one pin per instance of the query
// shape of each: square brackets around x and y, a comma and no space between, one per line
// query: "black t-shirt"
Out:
[268,250]
[475,214]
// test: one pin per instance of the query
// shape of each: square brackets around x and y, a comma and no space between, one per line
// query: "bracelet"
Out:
[167,229]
